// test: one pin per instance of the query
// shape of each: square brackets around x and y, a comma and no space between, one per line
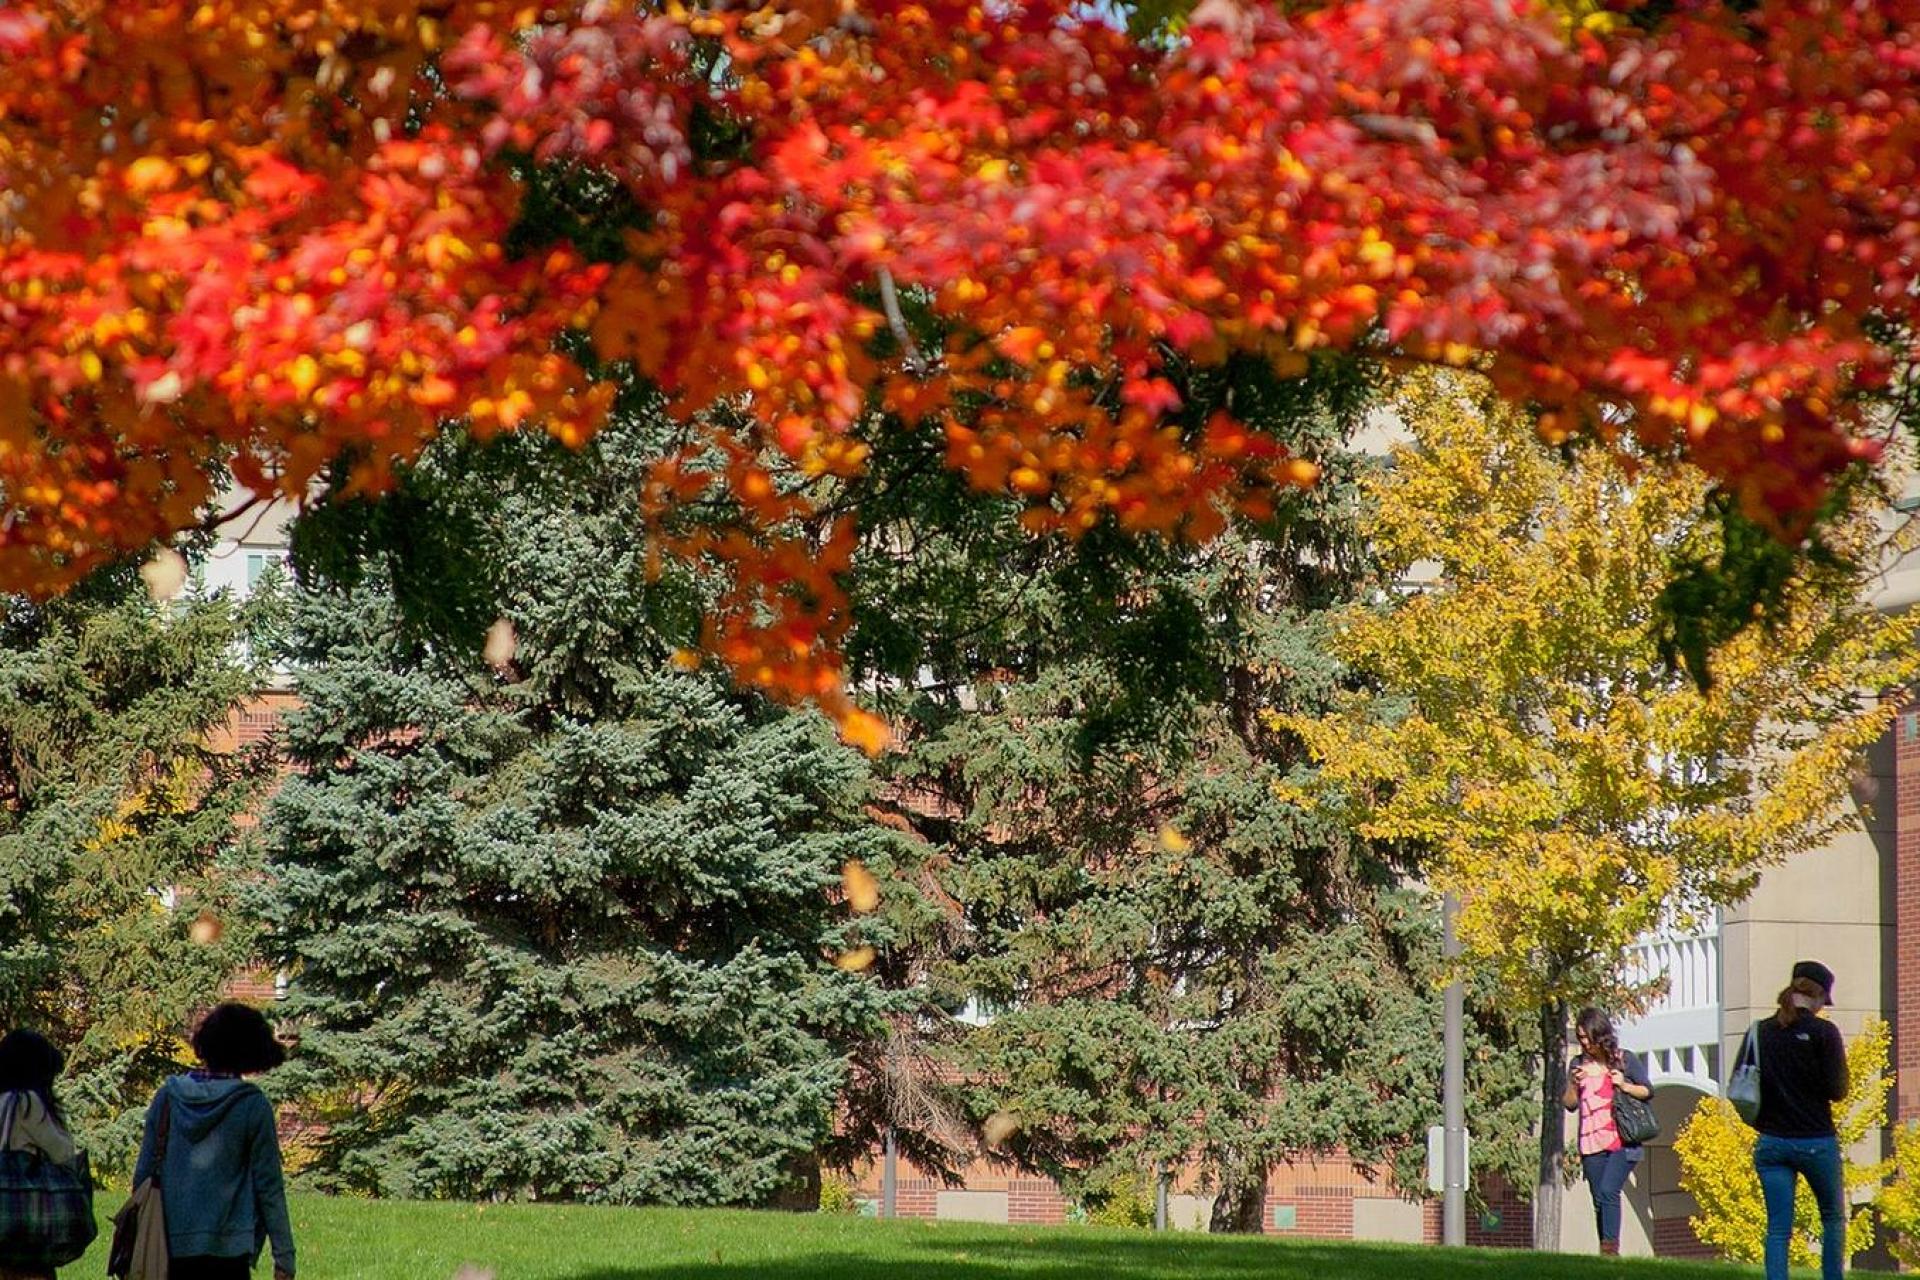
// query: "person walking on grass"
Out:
[220,1178]
[1803,1072]
[30,1116]
[1602,1070]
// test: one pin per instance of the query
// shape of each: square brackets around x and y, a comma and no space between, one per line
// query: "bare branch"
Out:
[1397,129]
[890,303]
[215,522]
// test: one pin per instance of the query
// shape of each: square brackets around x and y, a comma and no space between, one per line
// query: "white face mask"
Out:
[1804,1001]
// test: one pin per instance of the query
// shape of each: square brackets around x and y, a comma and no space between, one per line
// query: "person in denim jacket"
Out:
[221,1181]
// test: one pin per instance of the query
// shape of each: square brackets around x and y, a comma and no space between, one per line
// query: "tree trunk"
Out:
[1549,1188]
[1241,1206]
[800,1193]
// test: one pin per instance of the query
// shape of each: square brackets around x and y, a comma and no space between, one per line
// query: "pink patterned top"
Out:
[1597,1131]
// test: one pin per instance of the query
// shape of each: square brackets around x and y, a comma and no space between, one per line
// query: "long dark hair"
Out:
[28,1064]
[1597,1028]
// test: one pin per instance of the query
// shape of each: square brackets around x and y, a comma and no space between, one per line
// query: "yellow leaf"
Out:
[860,886]
[856,960]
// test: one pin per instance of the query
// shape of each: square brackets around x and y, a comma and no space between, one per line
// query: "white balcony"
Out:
[1679,1033]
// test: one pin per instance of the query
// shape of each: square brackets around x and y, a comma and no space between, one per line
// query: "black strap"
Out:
[160,1138]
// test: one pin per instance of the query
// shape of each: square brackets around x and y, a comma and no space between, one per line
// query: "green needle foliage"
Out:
[118,826]
[563,929]
[1187,970]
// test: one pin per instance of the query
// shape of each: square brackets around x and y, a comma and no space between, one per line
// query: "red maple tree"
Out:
[271,235]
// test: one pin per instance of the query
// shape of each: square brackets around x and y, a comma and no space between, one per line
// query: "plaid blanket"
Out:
[46,1210]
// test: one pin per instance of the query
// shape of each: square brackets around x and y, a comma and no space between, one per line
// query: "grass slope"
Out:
[388,1240]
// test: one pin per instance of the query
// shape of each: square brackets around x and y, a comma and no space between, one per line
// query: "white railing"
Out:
[1679,1032]
[1690,963]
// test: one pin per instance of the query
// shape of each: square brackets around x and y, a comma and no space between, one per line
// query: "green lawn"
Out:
[363,1240]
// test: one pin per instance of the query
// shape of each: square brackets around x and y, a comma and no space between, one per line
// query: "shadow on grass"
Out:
[1065,1256]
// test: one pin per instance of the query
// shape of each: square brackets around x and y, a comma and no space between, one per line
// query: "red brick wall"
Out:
[1322,1212]
[1320,1192]
[1515,1220]
[254,987]
[253,721]
[250,724]
[1674,1238]
[1906,1020]
[1514,1229]
[915,1197]
[1035,1202]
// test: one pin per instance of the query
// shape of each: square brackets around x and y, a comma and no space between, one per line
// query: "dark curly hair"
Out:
[1597,1029]
[236,1039]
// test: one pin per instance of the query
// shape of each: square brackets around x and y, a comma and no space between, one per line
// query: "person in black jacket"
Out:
[1803,1072]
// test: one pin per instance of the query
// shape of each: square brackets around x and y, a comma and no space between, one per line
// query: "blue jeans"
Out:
[1606,1173]
[1780,1161]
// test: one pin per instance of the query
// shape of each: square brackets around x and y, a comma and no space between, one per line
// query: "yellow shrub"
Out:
[1124,1202]
[1900,1202]
[837,1195]
[1715,1148]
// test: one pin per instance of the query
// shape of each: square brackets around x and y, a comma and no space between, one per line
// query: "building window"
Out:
[258,563]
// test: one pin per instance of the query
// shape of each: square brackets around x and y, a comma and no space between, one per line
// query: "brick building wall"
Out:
[255,987]
[916,1197]
[1324,1213]
[1906,978]
[1674,1238]
[253,721]
[1035,1202]
[1504,1222]
[1313,1199]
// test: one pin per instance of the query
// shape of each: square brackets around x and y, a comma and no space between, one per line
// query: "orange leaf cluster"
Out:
[274,232]
[222,241]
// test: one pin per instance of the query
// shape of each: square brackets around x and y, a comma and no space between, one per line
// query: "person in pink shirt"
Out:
[1601,1070]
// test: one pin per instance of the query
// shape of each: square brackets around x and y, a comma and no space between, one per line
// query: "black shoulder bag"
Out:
[1634,1119]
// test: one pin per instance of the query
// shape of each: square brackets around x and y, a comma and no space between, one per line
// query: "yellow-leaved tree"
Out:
[1715,1148]
[1515,719]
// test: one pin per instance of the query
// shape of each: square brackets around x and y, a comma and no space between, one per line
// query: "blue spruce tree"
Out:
[563,929]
